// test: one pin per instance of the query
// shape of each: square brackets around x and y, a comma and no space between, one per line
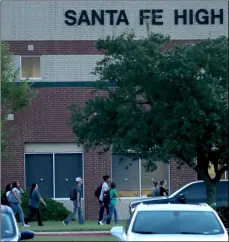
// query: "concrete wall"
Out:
[122,207]
[45,20]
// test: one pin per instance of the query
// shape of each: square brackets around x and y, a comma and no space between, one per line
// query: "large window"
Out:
[30,67]
[131,178]
[55,173]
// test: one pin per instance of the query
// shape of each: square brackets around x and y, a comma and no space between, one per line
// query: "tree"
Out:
[167,104]
[14,95]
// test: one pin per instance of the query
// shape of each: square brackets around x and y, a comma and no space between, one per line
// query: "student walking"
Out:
[156,192]
[5,195]
[112,205]
[14,198]
[75,196]
[163,191]
[34,203]
[103,206]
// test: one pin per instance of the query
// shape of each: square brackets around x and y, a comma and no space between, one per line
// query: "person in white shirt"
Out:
[14,198]
[105,187]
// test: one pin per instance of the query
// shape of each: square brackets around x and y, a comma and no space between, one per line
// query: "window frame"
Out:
[30,78]
[54,172]
[140,179]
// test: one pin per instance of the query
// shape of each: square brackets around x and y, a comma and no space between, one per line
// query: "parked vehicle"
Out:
[172,222]
[192,193]
[9,227]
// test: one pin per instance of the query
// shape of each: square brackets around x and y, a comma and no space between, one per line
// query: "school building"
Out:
[53,43]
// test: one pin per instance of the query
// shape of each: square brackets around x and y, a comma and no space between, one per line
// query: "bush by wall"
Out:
[53,211]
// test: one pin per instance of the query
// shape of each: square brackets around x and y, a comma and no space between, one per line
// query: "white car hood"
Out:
[176,237]
[148,198]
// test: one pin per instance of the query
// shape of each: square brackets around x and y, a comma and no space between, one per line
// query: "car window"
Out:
[128,222]
[8,229]
[195,191]
[222,189]
[176,222]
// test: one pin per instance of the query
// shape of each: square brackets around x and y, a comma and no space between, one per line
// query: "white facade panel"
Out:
[45,20]
[66,67]
[53,148]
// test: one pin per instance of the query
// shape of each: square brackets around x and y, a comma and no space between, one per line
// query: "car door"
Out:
[195,193]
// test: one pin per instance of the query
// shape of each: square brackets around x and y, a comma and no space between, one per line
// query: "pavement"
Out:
[79,233]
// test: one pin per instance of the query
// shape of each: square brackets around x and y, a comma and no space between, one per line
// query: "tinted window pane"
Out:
[176,222]
[39,169]
[222,193]
[67,168]
[30,67]
[195,191]
[148,178]
[126,176]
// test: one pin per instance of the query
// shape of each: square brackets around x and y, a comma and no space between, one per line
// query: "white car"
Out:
[172,222]
[9,227]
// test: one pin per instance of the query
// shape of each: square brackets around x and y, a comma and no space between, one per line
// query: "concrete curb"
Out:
[72,233]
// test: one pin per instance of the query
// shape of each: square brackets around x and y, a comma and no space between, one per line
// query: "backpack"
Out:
[98,191]
[106,197]
[73,194]
[4,200]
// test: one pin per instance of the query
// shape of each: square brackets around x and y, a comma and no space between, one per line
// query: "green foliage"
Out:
[167,104]
[53,210]
[223,213]
[14,95]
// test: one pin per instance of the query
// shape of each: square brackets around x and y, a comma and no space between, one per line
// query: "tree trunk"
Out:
[211,192]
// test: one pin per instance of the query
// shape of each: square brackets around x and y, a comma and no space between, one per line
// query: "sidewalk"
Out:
[79,233]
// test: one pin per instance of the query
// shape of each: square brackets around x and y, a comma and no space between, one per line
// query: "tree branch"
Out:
[220,172]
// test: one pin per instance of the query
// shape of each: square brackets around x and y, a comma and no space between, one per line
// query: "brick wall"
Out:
[180,177]
[46,120]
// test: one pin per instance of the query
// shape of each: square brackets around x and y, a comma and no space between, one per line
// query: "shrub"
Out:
[53,211]
[223,213]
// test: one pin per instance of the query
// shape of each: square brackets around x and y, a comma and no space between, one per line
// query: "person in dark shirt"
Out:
[34,203]
[156,192]
[163,191]
[4,198]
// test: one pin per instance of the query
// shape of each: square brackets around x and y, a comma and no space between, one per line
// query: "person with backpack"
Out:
[5,195]
[75,196]
[14,199]
[110,198]
[99,193]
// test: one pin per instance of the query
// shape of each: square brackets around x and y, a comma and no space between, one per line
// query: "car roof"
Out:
[6,209]
[175,207]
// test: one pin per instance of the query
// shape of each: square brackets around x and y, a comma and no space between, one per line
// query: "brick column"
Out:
[180,177]
[95,167]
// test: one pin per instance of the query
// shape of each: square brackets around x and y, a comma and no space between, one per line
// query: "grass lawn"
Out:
[57,226]
[74,238]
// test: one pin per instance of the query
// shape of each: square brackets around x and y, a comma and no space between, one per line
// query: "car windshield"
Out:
[176,222]
[8,229]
